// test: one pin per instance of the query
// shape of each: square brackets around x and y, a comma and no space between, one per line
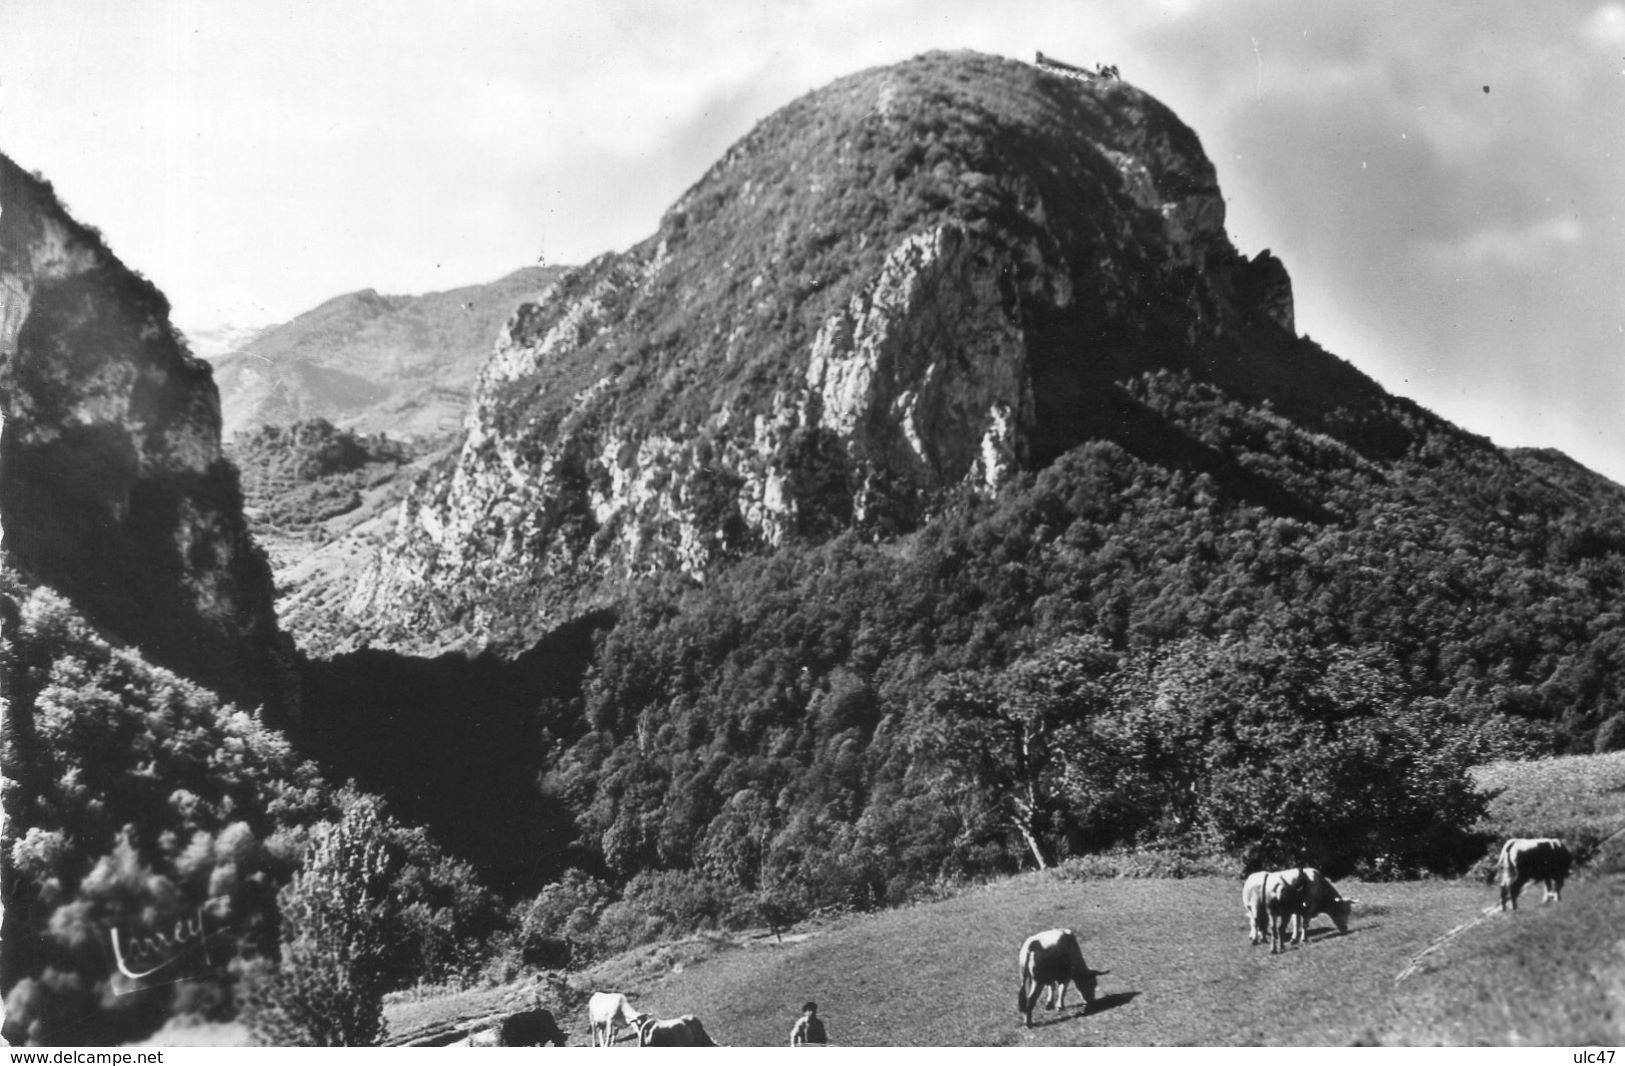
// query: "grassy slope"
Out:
[1181,968]
[1580,798]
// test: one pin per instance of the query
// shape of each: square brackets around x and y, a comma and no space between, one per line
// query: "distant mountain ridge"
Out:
[402,365]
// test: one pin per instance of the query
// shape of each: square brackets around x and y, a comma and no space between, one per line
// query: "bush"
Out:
[339,924]
[559,928]
[132,799]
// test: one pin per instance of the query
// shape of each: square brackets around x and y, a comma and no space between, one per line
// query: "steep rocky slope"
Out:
[402,365]
[903,286]
[115,490]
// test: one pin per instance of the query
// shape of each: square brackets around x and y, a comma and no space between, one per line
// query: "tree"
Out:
[338,941]
[1286,754]
[1024,731]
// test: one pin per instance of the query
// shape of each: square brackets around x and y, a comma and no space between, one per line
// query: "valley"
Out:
[935,531]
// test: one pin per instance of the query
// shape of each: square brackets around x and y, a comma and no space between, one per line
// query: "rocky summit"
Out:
[901,287]
[116,492]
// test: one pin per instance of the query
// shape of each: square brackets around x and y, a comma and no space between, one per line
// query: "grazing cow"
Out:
[1320,896]
[685,1031]
[607,1012]
[1546,860]
[1314,895]
[1048,962]
[1252,901]
[531,1028]
[1283,902]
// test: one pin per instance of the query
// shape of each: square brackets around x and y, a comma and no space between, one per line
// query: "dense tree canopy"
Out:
[136,805]
[1113,651]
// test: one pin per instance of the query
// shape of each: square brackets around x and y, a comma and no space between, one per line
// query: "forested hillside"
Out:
[296,477]
[1113,652]
[977,507]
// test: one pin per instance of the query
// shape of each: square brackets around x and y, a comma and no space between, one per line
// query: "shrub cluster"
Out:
[295,477]
[137,805]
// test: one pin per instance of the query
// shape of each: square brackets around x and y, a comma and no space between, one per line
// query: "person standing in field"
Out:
[808,1028]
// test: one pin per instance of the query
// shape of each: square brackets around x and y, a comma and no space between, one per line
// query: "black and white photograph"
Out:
[638,523]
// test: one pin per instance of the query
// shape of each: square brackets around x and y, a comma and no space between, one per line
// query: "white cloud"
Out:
[1508,245]
[1605,29]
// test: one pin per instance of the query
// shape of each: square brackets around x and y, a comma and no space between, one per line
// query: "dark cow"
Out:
[531,1028]
[1048,962]
[685,1031]
[1543,859]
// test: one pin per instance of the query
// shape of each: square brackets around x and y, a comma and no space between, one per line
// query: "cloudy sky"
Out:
[1444,180]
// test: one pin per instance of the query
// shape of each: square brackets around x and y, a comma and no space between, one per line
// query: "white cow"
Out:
[685,1031]
[609,1011]
[1284,893]
[1320,896]
[1048,962]
[1314,893]
[1252,901]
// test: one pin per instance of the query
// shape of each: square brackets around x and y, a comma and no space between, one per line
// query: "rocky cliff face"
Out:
[115,491]
[906,285]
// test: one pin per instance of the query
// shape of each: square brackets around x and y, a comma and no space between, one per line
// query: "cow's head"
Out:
[1339,912]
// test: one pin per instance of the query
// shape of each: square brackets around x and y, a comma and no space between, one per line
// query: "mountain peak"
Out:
[908,284]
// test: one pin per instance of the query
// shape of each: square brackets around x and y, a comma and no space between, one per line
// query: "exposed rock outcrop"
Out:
[905,285]
[114,488]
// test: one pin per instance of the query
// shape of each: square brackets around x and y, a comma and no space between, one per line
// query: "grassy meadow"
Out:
[1424,962]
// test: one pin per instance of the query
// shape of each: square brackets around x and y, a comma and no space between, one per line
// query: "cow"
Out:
[685,1031]
[607,1012]
[1252,901]
[531,1028]
[1283,903]
[1320,896]
[1048,961]
[1544,859]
